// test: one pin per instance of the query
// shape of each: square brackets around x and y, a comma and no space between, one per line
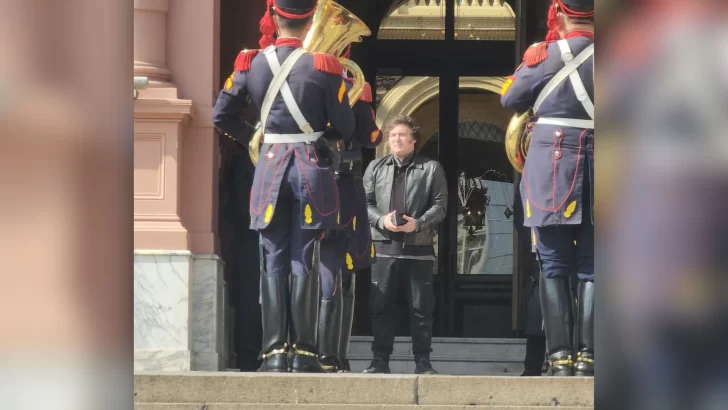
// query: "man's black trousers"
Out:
[414,278]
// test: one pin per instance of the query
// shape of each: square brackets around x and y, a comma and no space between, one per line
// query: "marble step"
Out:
[453,356]
[356,391]
[254,406]
[465,348]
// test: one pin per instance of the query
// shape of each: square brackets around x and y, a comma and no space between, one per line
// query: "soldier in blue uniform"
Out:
[556,80]
[349,247]
[294,197]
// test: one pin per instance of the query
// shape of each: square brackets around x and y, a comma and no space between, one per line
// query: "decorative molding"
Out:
[163,110]
[161,6]
[411,93]
[474,20]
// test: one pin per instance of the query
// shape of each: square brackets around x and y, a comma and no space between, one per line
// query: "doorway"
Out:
[449,81]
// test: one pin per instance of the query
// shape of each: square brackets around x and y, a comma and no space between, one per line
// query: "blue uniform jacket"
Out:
[558,158]
[321,95]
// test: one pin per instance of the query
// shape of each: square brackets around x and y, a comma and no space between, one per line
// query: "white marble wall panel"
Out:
[161,301]
[208,307]
[179,311]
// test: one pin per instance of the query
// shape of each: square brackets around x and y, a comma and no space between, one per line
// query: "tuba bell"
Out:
[518,138]
[332,30]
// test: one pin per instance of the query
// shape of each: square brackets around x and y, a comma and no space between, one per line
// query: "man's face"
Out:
[401,142]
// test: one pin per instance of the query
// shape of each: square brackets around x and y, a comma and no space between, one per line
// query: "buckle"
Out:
[273,352]
[328,367]
[302,352]
[584,359]
[564,362]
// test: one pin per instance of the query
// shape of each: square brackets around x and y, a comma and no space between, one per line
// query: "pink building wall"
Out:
[181,309]
[176,44]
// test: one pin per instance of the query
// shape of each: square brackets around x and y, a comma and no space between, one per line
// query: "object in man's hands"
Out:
[398,220]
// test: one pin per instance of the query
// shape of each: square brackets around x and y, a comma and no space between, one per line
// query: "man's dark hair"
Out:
[293,24]
[403,120]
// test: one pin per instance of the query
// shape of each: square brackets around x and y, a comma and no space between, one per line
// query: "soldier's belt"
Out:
[566,122]
[291,138]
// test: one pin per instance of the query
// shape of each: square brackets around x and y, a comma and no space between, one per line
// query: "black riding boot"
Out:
[329,327]
[304,318]
[274,304]
[556,304]
[347,319]
[585,331]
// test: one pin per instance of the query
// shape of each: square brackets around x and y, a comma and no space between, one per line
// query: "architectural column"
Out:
[150,47]
[180,304]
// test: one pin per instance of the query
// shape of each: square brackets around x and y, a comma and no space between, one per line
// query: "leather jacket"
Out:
[425,199]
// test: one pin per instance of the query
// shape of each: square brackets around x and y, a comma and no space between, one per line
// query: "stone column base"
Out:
[180,312]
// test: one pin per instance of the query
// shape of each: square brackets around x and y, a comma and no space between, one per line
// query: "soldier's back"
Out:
[562,102]
[308,85]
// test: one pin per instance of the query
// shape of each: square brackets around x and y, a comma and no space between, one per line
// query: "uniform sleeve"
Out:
[520,90]
[338,110]
[227,114]
[367,134]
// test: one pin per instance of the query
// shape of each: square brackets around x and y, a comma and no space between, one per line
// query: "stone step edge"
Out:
[345,389]
[264,406]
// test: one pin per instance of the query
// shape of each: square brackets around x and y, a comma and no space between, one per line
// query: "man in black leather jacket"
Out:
[407,199]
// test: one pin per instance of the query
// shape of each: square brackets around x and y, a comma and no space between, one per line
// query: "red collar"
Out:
[289,42]
[580,33]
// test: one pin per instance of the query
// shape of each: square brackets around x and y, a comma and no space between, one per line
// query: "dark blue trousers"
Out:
[333,251]
[563,248]
[558,253]
[287,246]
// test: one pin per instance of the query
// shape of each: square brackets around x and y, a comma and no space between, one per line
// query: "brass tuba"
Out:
[518,137]
[341,28]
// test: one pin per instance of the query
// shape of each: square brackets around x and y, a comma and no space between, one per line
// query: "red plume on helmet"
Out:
[267,26]
[552,23]
[573,8]
[290,9]
[565,6]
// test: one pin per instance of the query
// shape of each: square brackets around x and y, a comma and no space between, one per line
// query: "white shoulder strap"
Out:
[286,93]
[571,65]
[280,73]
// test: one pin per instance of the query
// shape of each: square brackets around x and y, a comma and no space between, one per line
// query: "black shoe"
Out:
[424,367]
[378,366]
[275,361]
[531,372]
